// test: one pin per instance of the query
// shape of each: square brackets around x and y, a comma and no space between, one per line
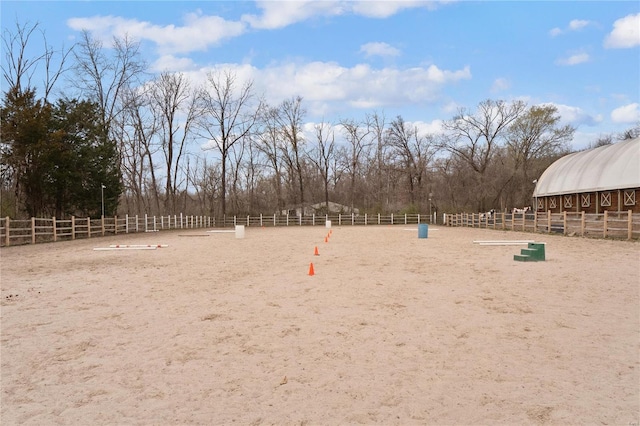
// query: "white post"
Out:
[313,219]
[126,223]
[261,220]
[146,228]
[378,218]
[137,223]
[365,218]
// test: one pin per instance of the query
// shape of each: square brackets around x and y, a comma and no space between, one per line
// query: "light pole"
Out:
[102,187]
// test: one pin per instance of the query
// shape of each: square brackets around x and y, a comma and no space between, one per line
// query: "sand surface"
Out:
[392,329]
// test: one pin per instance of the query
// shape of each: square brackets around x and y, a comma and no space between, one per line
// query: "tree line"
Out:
[119,139]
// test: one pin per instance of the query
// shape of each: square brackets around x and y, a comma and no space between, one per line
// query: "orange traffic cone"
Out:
[311,272]
[326,239]
[315,253]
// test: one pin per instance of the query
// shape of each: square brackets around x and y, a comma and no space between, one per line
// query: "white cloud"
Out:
[425,129]
[198,32]
[379,49]
[575,115]
[577,24]
[500,84]
[575,59]
[172,63]
[626,114]
[625,33]
[555,32]
[574,25]
[328,86]
[384,9]
[279,14]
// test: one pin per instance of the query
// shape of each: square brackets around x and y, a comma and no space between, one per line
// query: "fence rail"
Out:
[602,225]
[618,225]
[41,230]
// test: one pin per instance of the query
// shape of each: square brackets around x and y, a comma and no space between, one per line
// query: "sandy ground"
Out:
[391,329]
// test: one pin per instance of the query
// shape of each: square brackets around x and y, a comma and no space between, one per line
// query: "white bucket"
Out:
[328,224]
[239,231]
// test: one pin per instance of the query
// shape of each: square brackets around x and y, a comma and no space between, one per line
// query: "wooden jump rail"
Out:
[624,224]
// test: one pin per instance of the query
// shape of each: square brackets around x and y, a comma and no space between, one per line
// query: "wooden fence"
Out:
[620,225]
[40,230]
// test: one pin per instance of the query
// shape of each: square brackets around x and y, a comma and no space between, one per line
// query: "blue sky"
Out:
[420,60]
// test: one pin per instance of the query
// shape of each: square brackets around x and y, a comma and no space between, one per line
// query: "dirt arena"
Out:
[392,329]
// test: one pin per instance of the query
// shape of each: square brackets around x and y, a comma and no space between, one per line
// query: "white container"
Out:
[328,224]
[239,231]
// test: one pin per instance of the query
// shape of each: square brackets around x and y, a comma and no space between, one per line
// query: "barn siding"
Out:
[616,197]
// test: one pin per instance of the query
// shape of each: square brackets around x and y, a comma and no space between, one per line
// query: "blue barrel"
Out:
[423,230]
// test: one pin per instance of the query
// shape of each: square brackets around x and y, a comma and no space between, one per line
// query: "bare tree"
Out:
[102,77]
[357,138]
[536,134]
[415,153]
[20,69]
[177,109]
[290,116]
[473,138]
[322,156]
[139,126]
[268,139]
[377,125]
[227,118]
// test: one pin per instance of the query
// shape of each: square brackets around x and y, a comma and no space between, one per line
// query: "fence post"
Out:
[33,230]
[629,225]
[115,224]
[73,227]
[54,230]
[102,224]
[89,227]
[548,221]
[606,219]
[564,222]
[582,223]
[7,235]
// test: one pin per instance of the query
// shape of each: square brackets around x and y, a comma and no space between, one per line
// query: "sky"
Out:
[422,60]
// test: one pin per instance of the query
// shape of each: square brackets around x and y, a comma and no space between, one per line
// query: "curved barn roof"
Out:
[606,168]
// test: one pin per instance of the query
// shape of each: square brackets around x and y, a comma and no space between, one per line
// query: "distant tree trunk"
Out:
[228,117]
